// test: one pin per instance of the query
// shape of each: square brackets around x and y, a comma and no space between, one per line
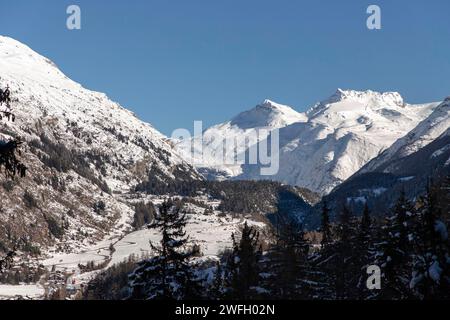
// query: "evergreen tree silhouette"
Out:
[289,262]
[326,227]
[216,290]
[8,161]
[395,253]
[364,252]
[344,262]
[242,266]
[9,148]
[430,268]
[167,275]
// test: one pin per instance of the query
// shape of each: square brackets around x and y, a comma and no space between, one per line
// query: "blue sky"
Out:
[176,61]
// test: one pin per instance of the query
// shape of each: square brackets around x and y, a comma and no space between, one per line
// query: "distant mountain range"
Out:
[323,147]
[411,163]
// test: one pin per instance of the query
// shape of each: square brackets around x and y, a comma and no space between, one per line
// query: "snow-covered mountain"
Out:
[427,131]
[381,187]
[267,114]
[342,134]
[82,150]
[406,166]
[207,151]
[321,148]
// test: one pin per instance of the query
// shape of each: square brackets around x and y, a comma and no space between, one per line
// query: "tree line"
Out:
[410,247]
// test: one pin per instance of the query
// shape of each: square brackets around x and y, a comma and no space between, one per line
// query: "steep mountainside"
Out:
[409,164]
[424,133]
[207,152]
[82,150]
[323,147]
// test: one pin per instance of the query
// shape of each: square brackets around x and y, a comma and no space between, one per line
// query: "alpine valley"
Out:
[97,176]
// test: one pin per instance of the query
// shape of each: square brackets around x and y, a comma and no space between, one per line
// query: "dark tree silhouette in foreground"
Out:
[9,148]
[243,265]
[326,226]
[430,265]
[395,250]
[8,160]
[288,261]
[167,275]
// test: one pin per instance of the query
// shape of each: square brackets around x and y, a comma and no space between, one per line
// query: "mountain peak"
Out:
[268,102]
[355,98]
[268,114]
[22,61]
[367,96]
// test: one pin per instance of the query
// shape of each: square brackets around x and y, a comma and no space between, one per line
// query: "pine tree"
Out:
[323,275]
[395,251]
[168,274]
[326,227]
[289,262]
[364,251]
[430,269]
[242,275]
[216,290]
[366,221]
[345,282]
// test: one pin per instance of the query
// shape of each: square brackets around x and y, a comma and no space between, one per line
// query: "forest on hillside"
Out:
[409,249]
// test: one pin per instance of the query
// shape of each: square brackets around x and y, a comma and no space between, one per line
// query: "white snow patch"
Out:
[404,179]
[25,290]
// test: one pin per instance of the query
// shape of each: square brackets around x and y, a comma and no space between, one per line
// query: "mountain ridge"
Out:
[323,146]
[83,152]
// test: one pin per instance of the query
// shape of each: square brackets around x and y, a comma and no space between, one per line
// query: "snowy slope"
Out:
[210,230]
[267,114]
[409,173]
[46,94]
[406,166]
[32,291]
[324,146]
[428,130]
[81,149]
[342,134]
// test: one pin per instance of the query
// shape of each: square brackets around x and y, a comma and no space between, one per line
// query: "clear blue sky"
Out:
[176,61]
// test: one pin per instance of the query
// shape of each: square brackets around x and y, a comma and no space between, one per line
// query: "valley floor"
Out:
[211,231]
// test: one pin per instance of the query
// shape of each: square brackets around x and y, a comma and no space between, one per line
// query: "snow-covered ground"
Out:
[31,291]
[211,231]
